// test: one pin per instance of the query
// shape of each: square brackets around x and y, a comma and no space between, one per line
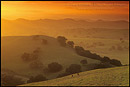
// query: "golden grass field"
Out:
[118,76]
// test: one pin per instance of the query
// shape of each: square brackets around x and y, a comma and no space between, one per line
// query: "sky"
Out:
[91,10]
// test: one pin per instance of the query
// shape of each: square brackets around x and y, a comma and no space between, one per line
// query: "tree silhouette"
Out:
[62,40]
[73,68]
[54,67]
[70,43]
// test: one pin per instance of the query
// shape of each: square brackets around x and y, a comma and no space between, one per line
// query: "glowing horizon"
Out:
[112,10]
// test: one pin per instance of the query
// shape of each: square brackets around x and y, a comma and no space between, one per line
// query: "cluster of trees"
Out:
[37,78]
[115,62]
[102,65]
[62,40]
[27,57]
[33,59]
[86,53]
[54,67]
[10,80]
[73,68]
[111,61]
[71,44]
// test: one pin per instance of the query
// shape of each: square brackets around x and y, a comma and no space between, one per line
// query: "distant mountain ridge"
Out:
[21,26]
[71,19]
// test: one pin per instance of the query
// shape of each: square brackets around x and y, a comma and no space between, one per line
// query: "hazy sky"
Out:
[109,10]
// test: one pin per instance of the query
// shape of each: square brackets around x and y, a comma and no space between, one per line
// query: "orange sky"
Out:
[112,10]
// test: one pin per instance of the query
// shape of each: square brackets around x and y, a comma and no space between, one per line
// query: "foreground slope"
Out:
[118,76]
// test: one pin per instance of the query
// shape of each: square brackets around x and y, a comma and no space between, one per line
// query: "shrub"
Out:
[86,53]
[54,67]
[29,57]
[37,78]
[111,61]
[83,61]
[73,68]
[70,43]
[94,56]
[80,50]
[11,80]
[115,62]
[62,40]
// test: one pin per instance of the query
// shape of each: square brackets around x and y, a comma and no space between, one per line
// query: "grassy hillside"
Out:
[41,51]
[118,76]
[13,47]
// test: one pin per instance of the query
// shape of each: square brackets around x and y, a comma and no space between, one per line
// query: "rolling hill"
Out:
[13,47]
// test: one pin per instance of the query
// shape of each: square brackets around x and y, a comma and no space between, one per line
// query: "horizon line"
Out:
[75,19]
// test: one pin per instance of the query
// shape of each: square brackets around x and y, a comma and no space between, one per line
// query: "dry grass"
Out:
[118,76]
